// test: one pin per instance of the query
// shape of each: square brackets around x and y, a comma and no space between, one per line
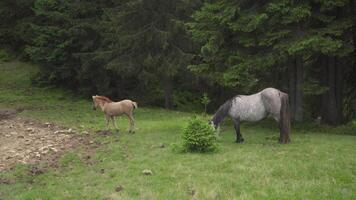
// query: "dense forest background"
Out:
[170,52]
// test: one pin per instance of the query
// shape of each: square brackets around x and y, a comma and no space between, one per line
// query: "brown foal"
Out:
[114,109]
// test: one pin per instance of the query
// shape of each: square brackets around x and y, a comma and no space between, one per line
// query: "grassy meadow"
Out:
[320,163]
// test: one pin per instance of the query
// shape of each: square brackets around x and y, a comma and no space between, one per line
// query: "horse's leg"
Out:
[113,122]
[278,120]
[132,122]
[107,117]
[239,138]
[280,126]
[283,135]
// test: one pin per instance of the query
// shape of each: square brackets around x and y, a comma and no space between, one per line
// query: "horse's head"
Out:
[215,126]
[95,103]
[211,122]
[219,116]
[100,101]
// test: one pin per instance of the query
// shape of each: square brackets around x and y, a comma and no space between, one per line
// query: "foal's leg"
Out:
[107,117]
[114,123]
[132,122]
[239,138]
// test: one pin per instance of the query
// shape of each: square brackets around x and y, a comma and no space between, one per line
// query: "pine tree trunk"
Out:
[324,82]
[168,92]
[332,99]
[299,90]
[332,112]
[292,89]
[339,65]
[295,72]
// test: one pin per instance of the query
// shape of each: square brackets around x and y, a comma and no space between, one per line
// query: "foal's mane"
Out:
[103,98]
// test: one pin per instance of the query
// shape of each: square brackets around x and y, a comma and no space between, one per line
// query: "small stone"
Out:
[7,135]
[54,149]
[192,192]
[147,172]
[35,171]
[162,145]
[85,132]
[64,131]
[18,155]
[20,136]
[91,142]
[48,125]
[4,181]
[119,188]
[30,130]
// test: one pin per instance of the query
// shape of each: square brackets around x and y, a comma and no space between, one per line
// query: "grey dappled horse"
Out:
[255,107]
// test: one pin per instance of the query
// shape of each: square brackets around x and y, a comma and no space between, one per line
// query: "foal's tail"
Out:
[134,105]
[284,122]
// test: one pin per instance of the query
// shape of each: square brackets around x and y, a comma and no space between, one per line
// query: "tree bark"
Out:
[324,82]
[332,99]
[168,92]
[299,89]
[295,88]
[339,65]
[332,112]
[292,89]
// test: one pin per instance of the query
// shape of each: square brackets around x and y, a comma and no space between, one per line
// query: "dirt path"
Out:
[31,142]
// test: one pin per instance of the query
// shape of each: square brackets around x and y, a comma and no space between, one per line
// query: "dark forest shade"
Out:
[168,53]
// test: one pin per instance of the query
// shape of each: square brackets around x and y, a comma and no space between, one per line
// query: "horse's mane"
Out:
[222,112]
[103,98]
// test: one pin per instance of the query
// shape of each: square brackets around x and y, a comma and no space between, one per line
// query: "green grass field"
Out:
[320,163]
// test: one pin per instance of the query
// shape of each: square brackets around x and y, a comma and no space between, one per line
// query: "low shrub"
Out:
[199,136]
[5,56]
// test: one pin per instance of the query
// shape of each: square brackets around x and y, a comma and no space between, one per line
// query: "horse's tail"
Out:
[134,104]
[284,119]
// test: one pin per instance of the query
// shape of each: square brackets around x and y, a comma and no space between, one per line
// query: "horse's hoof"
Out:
[284,141]
[241,140]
